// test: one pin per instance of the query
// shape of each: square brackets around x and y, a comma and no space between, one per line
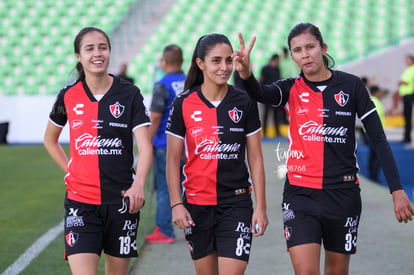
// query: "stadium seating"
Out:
[36,36]
[36,40]
[351,30]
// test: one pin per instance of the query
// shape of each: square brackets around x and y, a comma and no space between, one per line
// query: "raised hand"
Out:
[241,58]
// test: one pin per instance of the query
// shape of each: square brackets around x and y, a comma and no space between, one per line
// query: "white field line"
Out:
[33,251]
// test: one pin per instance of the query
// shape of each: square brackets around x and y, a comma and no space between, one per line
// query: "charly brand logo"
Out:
[304,97]
[117,109]
[196,116]
[78,109]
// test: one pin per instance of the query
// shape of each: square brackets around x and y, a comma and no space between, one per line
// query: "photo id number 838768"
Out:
[296,168]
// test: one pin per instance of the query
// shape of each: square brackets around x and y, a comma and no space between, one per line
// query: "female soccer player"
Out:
[321,199]
[104,195]
[216,123]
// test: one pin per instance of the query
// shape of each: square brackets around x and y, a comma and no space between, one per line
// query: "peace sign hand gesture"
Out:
[241,58]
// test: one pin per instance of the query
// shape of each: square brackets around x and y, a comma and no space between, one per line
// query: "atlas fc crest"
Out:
[117,109]
[235,115]
[341,98]
[72,238]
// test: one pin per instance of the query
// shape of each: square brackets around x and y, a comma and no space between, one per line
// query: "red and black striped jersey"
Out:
[101,139]
[215,144]
[322,140]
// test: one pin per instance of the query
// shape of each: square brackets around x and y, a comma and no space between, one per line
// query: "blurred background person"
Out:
[288,68]
[165,90]
[271,73]
[374,165]
[123,73]
[406,91]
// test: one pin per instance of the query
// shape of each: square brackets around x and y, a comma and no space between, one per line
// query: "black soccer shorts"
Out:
[328,215]
[222,229]
[93,228]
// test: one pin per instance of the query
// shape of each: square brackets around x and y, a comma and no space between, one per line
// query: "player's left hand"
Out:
[136,198]
[402,206]
[259,223]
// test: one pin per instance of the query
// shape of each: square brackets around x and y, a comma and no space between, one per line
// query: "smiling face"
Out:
[94,53]
[307,52]
[217,66]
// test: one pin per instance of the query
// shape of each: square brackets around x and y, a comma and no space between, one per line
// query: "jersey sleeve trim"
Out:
[57,125]
[281,95]
[367,114]
[254,132]
[173,134]
[141,125]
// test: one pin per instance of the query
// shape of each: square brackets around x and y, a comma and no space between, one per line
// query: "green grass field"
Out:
[31,200]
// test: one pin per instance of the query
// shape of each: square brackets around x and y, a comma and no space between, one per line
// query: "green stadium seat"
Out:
[39,29]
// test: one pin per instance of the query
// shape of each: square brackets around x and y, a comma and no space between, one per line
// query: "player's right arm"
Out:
[180,216]
[51,143]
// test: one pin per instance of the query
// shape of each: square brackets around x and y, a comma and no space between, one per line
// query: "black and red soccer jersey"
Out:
[101,139]
[215,142]
[322,116]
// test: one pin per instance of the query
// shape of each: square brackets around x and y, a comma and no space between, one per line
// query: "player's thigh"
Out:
[336,263]
[120,232]
[305,258]
[233,232]
[200,238]
[340,218]
[84,263]
[231,266]
[83,228]
[115,265]
[301,217]
[206,265]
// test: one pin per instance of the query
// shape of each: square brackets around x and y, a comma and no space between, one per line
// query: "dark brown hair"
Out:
[203,46]
[76,46]
[301,28]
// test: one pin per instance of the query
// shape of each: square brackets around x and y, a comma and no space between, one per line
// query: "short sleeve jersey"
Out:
[101,161]
[322,145]
[215,142]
